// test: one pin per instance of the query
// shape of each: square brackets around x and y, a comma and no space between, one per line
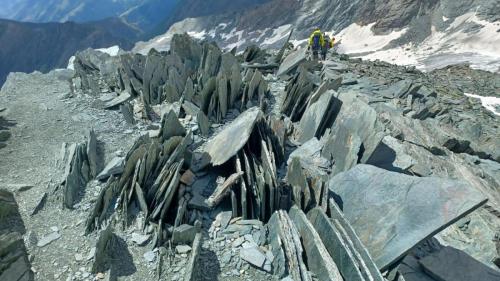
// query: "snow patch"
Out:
[278,34]
[361,39]
[490,103]
[112,51]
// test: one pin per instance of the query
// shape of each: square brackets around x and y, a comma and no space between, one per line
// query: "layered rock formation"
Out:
[334,170]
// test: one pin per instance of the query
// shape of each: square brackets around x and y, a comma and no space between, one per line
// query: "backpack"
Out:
[316,41]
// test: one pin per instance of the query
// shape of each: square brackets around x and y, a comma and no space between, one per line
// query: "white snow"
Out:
[112,51]
[361,39]
[278,34]
[200,35]
[71,63]
[490,103]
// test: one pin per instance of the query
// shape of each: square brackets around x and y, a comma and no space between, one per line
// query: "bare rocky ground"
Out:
[43,111]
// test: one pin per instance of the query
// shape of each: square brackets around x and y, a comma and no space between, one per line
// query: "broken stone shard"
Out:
[230,140]
[367,194]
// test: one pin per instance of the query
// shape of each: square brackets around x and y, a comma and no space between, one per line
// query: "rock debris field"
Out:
[200,164]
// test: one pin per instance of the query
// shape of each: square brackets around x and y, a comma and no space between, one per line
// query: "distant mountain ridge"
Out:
[26,47]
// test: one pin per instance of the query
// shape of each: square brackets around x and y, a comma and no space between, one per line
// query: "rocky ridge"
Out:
[262,166]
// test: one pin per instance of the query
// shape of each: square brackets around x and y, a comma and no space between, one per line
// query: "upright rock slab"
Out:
[319,260]
[392,212]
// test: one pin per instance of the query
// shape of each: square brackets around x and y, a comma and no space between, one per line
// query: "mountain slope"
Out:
[406,31]
[144,15]
[33,46]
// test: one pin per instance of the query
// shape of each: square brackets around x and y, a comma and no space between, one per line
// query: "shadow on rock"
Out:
[208,267]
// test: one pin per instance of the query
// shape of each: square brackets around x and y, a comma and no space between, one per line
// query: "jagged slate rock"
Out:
[223,94]
[187,49]
[450,264]
[359,128]
[332,84]
[230,140]
[292,61]
[318,259]
[336,66]
[310,158]
[4,135]
[184,234]
[49,238]
[335,244]
[193,271]
[92,156]
[253,256]
[170,93]
[203,123]
[171,126]
[287,249]
[14,263]
[103,252]
[300,187]
[401,202]
[366,265]
[8,205]
[398,89]
[190,108]
[123,97]
[391,155]
[319,116]
[78,175]
[114,167]
[127,111]
[182,249]
[210,63]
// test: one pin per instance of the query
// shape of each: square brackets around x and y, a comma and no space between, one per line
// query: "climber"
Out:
[326,46]
[316,42]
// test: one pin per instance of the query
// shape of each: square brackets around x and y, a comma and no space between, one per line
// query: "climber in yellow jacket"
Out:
[316,42]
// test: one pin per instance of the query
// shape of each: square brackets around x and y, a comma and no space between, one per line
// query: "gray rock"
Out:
[123,97]
[49,238]
[184,234]
[78,174]
[230,140]
[193,268]
[171,126]
[450,264]
[127,111]
[253,256]
[287,249]
[203,123]
[114,167]
[292,61]
[401,202]
[92,156]
[14,263]
[319,260]
[319,116]
[4,135]
[150,256]
[140,239]
[182,249]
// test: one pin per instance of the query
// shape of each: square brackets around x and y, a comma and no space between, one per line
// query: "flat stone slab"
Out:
[253,256]
[49,238]
[230,140]
[450,264]
[292,61]
[393,212]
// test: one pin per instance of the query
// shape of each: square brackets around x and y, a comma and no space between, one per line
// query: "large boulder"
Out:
[392,212]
